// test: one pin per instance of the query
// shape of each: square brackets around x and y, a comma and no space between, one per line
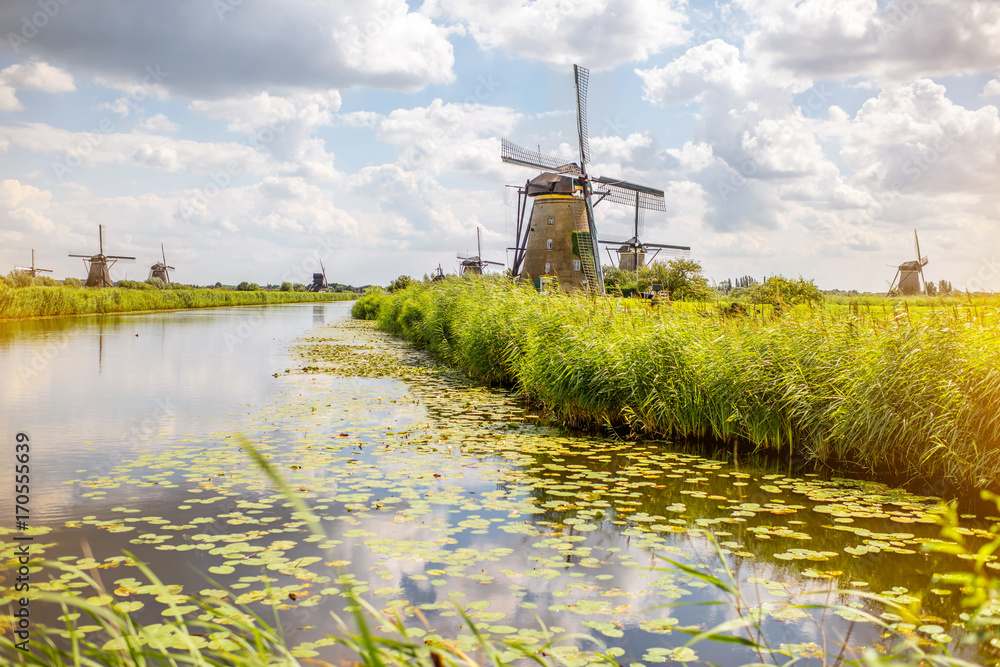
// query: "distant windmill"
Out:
[98,267]
[319,279]
[438,274]
[159,270]
[560,238]
[909,278]
[475,264]
[33,271]
[632,252]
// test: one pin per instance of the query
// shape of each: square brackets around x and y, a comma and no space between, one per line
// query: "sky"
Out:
[256,138]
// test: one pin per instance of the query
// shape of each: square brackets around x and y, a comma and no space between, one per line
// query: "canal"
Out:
[441,501]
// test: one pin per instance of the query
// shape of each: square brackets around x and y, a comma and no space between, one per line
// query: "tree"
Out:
[286,286]
[682,279]
[155,282]
[944,286]
[399,283]
[247,287]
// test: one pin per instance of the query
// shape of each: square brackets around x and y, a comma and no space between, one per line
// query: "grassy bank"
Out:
[914,396]
[60,300]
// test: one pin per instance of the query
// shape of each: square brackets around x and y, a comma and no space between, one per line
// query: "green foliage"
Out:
[779,291]
[19,279]
[247,287]
[73,282]
[367,307]
[61,300]
[155,282]
[400,283]
[680,278]
[916,396]
[131,284]
[286,287]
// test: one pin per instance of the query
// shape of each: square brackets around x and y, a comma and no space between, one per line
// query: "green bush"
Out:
[73,282]
[155,282]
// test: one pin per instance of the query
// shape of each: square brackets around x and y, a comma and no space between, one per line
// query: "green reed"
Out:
[917,396]
[60,300]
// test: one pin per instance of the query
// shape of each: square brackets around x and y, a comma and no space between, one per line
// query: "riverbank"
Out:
[39,301]
[840,390]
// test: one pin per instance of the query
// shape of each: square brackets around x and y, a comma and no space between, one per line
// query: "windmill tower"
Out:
[438,274]
[319,279]
[560,238]
[160,269]
[32,271]
[474,264]
[909,278]
[632,252]
[98,266]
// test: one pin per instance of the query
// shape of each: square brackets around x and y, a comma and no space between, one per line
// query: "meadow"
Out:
[62,300]
[907,388]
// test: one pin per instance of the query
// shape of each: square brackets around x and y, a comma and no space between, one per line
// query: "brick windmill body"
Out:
[559,241]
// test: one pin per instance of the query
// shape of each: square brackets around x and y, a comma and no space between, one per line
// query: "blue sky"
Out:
[254,138]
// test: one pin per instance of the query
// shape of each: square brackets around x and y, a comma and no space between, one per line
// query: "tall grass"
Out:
[62,300]
[918,397]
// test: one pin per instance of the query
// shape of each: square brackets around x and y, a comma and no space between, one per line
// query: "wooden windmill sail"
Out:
[319,279]
[99,265]
[160,269]
[560,238]
[474,264]
[909,278]
[33,270]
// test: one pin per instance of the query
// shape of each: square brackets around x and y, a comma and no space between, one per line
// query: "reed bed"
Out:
[39,301]
[914,396]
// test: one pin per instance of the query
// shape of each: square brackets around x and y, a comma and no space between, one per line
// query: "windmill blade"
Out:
[581,79]
[164,253]
[923,260]
[84,256]
[623,192]
[118,257]
[463,255]
[668,247]
[514,154]
[171,268]
[486,261]
[612,240]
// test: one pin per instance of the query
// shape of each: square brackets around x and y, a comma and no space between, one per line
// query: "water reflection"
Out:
[92,391]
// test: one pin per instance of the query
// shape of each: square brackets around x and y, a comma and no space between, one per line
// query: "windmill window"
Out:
[548,244]
[552,221]
[548,267]
[576,265]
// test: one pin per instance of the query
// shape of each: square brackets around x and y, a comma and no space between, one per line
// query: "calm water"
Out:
[431,493]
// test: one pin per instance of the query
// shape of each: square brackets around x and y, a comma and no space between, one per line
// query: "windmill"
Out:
[474,264]
[32,271]
[319,279]
[98,267]
[159,270]
[909,278]
[632,252]
[565,242]
[438,274]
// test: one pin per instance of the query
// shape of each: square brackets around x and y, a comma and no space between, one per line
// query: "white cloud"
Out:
[449,136]
[70,150]
[24,208]
[158,123]
[227,49]
[597,33]
[360,118]
[992,88]
[32,75]
[283,123]
[914,138]
[897,41]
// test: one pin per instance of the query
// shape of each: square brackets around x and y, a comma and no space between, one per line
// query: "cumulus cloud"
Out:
[914,137]
[285,124]
[461,137]
[897,40]
[157,124]
[600,34]
[32,75]
[226,49]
